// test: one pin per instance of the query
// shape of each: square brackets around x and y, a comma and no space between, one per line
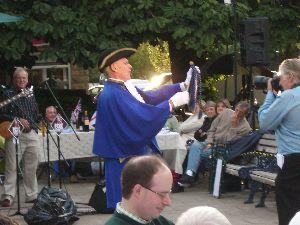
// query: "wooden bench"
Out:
[261,171]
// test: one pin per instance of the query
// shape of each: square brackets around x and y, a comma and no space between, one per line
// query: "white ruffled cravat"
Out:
[131,88]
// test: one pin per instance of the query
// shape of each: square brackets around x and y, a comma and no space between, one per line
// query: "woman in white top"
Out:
[193,123]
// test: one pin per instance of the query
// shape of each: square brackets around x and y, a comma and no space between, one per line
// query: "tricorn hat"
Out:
[111,55]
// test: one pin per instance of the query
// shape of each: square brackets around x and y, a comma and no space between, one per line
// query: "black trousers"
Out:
[287,188]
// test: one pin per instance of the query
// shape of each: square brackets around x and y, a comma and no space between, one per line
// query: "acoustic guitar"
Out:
[4,126]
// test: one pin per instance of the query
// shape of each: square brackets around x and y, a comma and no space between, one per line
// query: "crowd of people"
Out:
[138,181]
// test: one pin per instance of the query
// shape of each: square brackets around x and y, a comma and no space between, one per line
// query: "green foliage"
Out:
[284,26]
[78,30]
[209,87]
[150,60]
[140,61]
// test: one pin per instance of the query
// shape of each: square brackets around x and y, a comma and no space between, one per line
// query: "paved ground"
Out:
[231,204]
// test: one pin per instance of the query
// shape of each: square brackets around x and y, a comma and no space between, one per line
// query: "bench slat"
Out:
[233,166]
[269,136]
[268,175]
[267,142]
[268,149]
[263,179]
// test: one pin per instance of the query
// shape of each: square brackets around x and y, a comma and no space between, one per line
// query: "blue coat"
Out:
[126,126]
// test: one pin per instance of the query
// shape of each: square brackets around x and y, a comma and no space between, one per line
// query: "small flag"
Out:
[93,119]
[77,110]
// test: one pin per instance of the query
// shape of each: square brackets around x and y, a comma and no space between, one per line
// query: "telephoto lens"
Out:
[261,83]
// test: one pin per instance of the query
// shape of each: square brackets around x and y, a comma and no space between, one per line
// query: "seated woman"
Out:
[228,126]
[200,136]
[222,104]
[193,123]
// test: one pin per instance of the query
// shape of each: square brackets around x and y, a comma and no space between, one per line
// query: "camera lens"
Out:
[260,82]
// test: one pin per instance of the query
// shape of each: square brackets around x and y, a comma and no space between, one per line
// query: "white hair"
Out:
[19,70]
[290,66]
[296,219]
[202,215]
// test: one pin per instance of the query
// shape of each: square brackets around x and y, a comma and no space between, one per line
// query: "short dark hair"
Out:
[140,170]
[243,105]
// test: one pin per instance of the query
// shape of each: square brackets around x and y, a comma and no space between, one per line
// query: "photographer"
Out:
[281,114]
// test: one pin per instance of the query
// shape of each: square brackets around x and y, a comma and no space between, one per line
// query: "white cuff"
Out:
[171,109]
[182,86]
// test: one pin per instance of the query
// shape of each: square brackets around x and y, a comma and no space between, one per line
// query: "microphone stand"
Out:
[48,154]
[60,155]
[61,109]
[48,133]
[58,133]
[59,162]
[16,142]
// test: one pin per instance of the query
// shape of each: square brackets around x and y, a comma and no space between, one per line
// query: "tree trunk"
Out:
[180,59]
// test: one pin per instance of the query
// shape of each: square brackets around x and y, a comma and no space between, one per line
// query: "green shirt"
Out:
[121,219]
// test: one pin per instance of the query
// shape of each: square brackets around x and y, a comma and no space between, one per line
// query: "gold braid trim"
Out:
[113,53]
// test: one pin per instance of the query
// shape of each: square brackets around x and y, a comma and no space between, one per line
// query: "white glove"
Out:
[189,76]
[180,98]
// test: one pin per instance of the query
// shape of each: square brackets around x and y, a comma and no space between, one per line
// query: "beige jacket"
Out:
[221,131]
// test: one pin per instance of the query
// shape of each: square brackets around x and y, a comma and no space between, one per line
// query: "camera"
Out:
[261,82]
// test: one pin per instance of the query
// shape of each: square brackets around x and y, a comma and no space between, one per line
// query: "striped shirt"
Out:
[24,107]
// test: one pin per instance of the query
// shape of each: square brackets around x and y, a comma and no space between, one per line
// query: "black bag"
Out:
[231,183]
[98,200]
[52,207]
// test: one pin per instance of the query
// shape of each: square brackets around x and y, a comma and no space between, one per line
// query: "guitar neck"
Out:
[7,101]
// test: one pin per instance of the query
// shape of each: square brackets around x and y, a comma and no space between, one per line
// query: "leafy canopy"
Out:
[78,30]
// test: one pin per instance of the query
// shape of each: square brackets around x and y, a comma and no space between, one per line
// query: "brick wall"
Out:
[79,78]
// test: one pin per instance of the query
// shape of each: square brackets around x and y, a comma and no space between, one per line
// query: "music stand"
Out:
[16,129]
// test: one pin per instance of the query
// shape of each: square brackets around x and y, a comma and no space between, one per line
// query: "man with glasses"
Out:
[146,188]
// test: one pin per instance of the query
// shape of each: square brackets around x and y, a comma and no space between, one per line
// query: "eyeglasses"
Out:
[162,195]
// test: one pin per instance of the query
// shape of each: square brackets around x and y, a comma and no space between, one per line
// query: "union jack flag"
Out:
[77,110]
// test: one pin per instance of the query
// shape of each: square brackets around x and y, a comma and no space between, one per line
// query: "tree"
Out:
[150,60]
[147,61]
[197,30]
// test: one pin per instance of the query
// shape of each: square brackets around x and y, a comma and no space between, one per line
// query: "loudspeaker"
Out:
[254,38]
